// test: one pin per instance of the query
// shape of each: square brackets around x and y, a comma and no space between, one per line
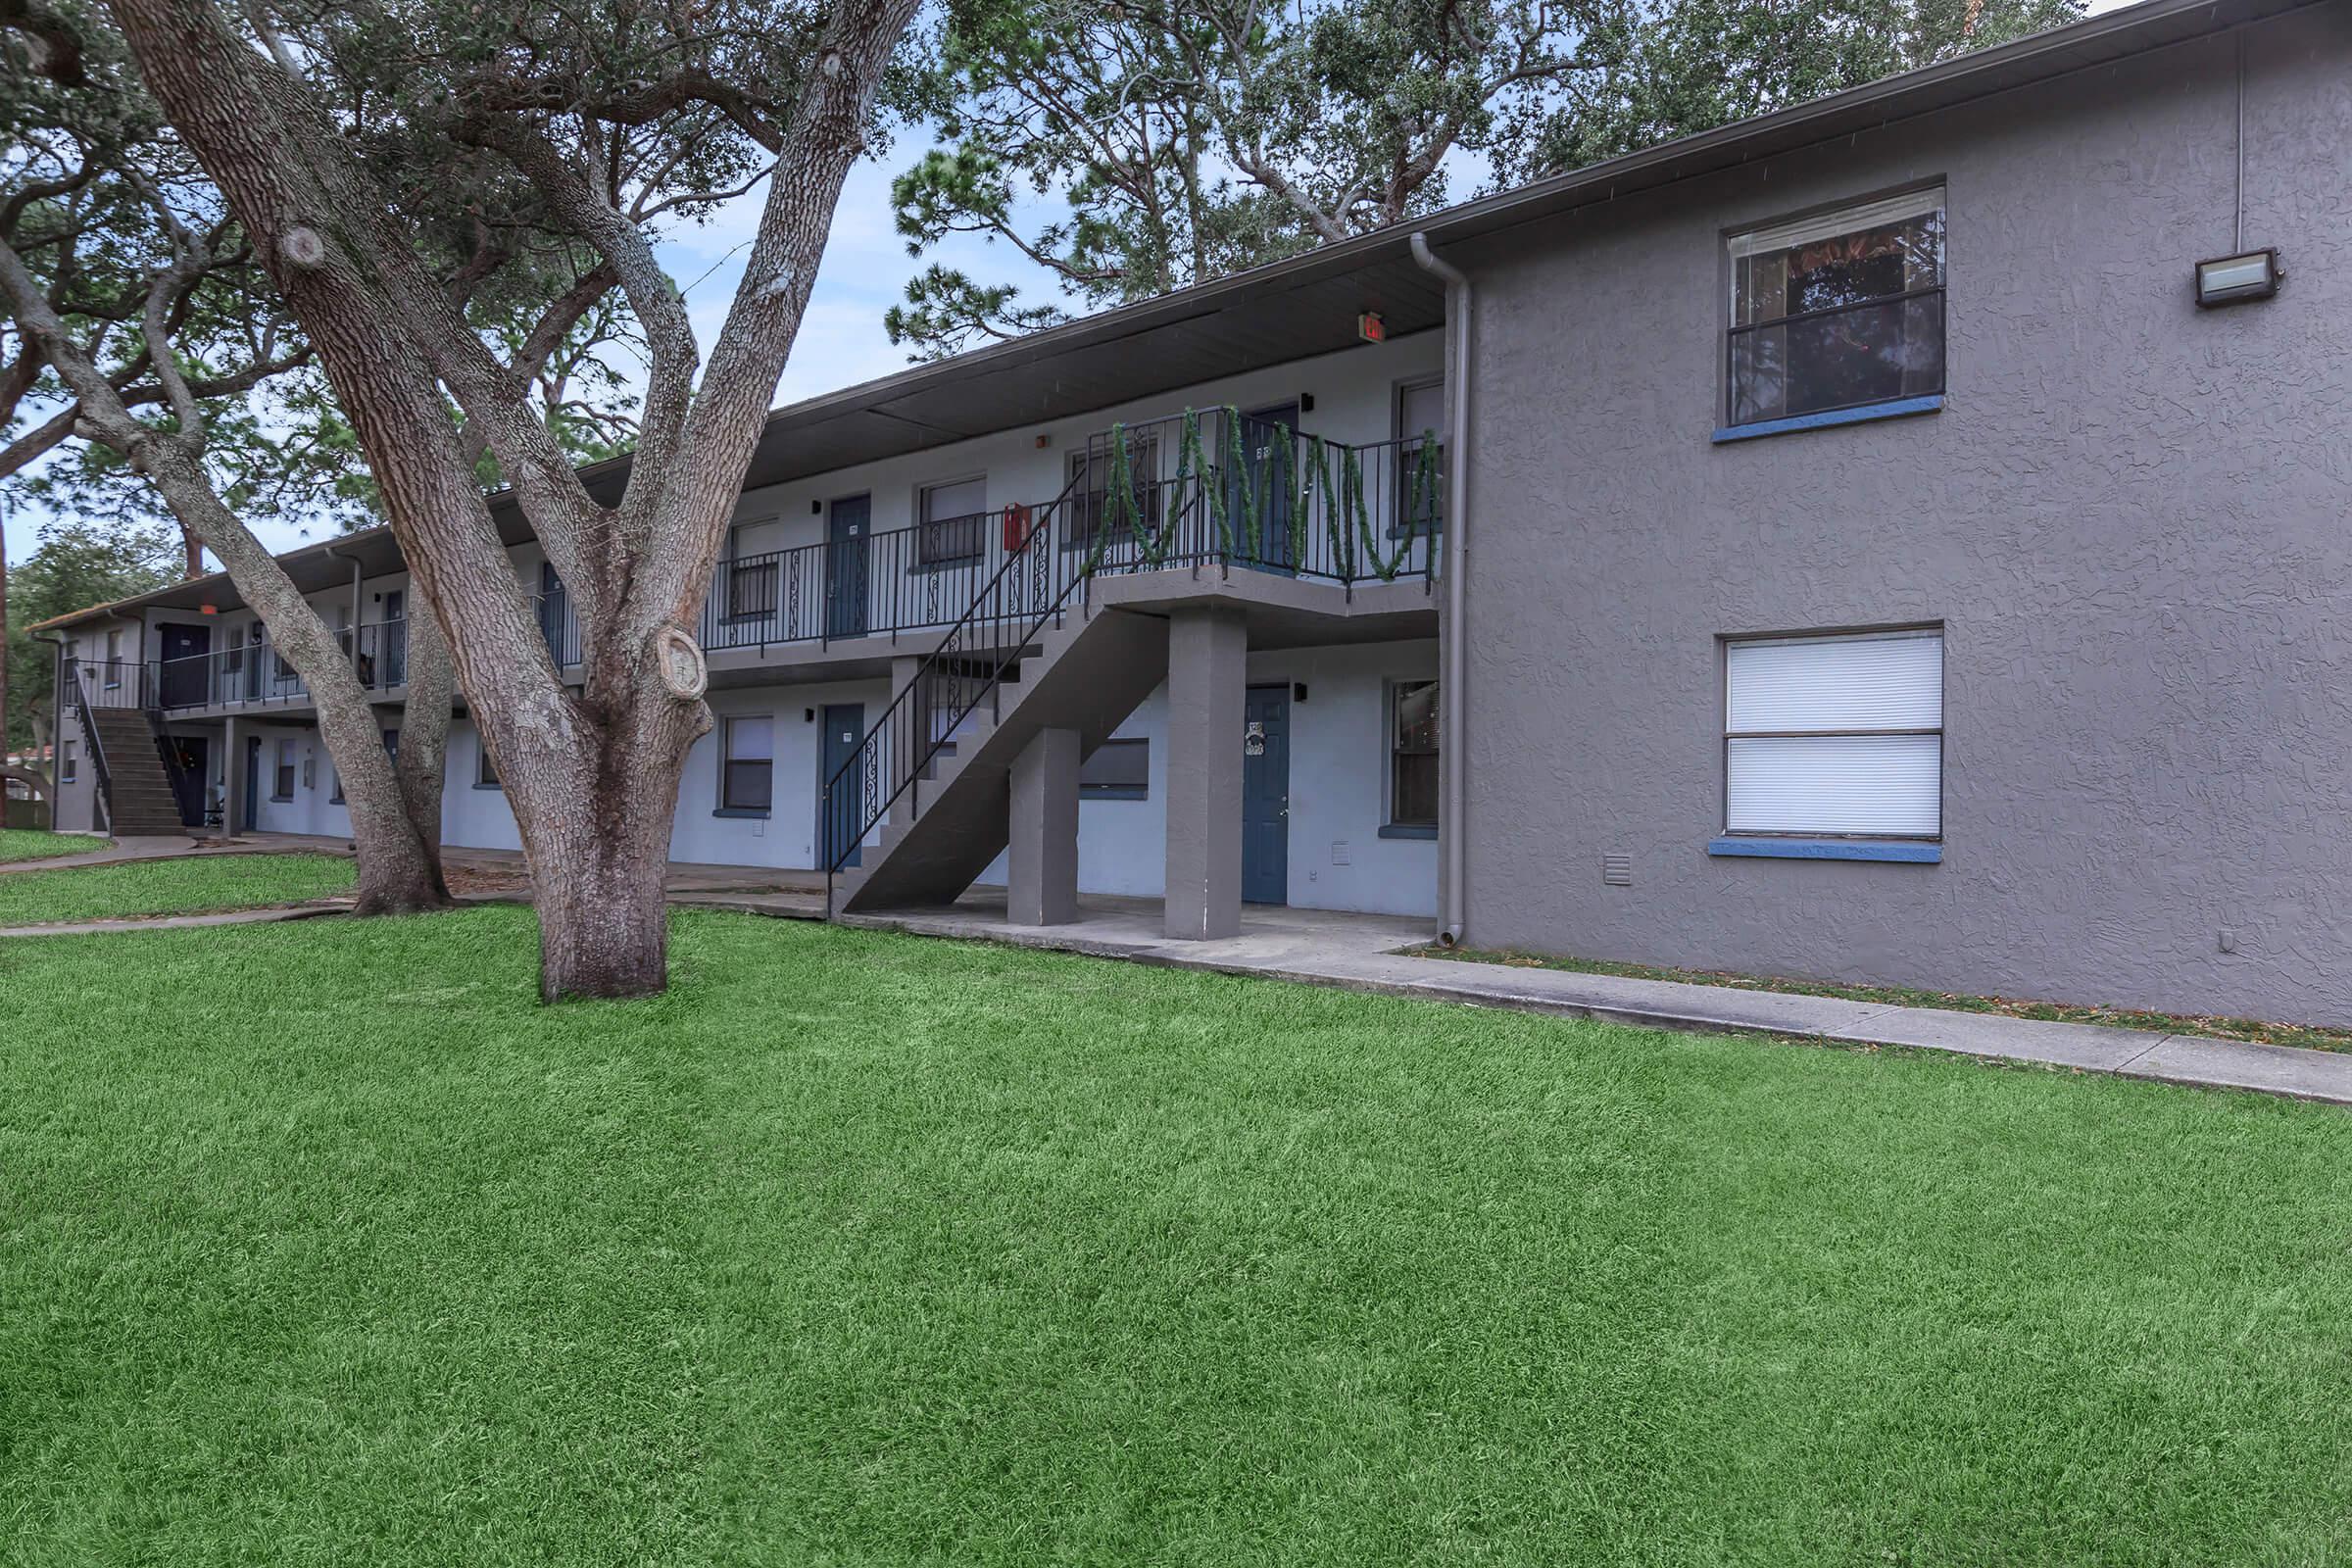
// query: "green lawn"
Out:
[325,1244]
[36,844]
[169,887]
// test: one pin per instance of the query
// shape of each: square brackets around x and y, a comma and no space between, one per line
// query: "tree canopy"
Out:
[1127,147]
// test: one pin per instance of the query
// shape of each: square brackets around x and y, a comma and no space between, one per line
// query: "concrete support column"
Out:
[1208,656]
[231,766]
[1041,863]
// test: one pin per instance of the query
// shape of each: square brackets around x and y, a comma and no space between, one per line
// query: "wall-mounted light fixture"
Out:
[1298,691]
[2247,276]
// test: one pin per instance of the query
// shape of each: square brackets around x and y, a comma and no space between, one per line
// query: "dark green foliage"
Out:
[1170,141]
[77,564]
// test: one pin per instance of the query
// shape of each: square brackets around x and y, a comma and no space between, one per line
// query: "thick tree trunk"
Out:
[602,910]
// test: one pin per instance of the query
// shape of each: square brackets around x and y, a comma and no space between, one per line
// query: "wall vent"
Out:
[1617,871]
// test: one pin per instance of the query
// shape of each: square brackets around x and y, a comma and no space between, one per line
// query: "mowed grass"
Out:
[325,1244]
[38,843]
[202,885]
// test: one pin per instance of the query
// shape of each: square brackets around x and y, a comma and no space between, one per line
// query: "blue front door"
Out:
[1270,456]
[1266,796]
[841,814]
[847,522]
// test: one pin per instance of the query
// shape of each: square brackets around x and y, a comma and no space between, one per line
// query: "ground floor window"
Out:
[1838,736]
[747,780]
[1413,755]
[284,790]
[485,771]
[1119,770]
[68,768]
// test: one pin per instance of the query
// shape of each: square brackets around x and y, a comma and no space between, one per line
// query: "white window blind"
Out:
[1844,221]
[1838,735]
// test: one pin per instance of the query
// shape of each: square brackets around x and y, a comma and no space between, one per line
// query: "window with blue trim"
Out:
[1839,312]
[1835,736]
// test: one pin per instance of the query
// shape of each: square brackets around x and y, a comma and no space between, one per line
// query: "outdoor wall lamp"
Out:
[2247,276]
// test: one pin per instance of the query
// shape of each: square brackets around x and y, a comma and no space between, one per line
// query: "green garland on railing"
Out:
[1240,519]
[1151,546]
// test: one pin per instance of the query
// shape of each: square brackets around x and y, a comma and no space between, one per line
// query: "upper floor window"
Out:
[114,660]
[951,523]
[1839,311]
[1095,504]
[1836,736]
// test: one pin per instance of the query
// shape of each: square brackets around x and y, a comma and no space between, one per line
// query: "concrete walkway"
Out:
[1359,953]
[184,922]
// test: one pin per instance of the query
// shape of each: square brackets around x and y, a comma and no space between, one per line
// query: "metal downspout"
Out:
[1452,686]
[354,649]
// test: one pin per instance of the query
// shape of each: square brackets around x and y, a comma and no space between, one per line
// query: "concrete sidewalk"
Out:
[1359,953]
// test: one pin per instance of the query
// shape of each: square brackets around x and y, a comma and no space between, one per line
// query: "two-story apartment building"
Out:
[1895,539]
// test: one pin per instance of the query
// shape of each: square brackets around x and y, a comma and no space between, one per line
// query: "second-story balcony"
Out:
[1192,492]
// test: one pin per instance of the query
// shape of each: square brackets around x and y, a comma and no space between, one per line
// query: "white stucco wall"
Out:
[1339,790]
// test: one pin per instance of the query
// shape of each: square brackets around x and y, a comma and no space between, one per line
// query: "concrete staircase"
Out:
[1087,674]
[139,803]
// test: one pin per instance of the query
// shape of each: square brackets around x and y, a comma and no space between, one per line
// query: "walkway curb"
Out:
[2185,1060]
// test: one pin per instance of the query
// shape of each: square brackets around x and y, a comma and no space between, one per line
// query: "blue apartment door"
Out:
[187,671]
[840,815]
[845,531]
[1270,468]
[251,811]
[1266,795]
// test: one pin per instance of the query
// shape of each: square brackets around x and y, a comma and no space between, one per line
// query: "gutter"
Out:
[1452,688]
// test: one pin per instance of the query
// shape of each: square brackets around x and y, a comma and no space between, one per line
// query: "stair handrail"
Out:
[1036,557]
[89,732]
[151,706]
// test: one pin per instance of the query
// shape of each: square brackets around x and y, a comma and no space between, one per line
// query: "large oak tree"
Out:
[616,116]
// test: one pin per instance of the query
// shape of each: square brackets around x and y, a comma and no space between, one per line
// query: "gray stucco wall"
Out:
[2133,518]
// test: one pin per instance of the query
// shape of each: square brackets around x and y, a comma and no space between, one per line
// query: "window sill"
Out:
[501,788]
[1900,408]
[1406,830]
[1099,792]
[1830,850]
[933,568]
[744,811]
[282,800]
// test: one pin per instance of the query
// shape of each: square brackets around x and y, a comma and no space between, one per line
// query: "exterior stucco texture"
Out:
[2133,519]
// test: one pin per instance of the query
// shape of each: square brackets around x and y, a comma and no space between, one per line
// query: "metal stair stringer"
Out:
[1087,674]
